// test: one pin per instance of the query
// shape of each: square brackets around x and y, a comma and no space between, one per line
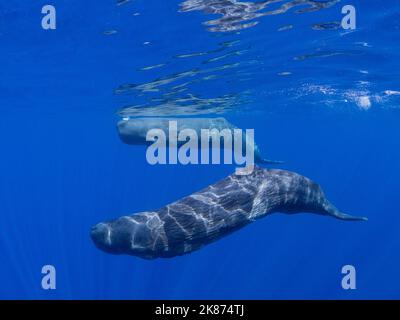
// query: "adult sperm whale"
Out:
[134,130]
[210,214]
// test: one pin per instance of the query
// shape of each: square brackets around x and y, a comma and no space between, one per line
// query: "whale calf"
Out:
[134,130]
[210,214]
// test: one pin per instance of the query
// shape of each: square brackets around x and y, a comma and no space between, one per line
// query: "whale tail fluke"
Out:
[258,158]
[332,211]
[348,217]
[267,161]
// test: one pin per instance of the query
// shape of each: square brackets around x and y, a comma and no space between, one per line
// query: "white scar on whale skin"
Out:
[212,213]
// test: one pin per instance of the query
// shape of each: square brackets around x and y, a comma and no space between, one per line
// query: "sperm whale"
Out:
[210,214]
[134,130]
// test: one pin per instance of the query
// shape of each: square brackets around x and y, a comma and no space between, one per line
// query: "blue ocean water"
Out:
[323,99]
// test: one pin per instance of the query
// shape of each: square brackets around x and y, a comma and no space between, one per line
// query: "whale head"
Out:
[124,236]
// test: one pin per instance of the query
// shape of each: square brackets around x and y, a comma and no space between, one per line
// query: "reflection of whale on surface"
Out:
[240,14]
[208,215]
[134,130]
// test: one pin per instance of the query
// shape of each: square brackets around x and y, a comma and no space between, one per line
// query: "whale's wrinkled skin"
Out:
[210,214]
[134,130]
